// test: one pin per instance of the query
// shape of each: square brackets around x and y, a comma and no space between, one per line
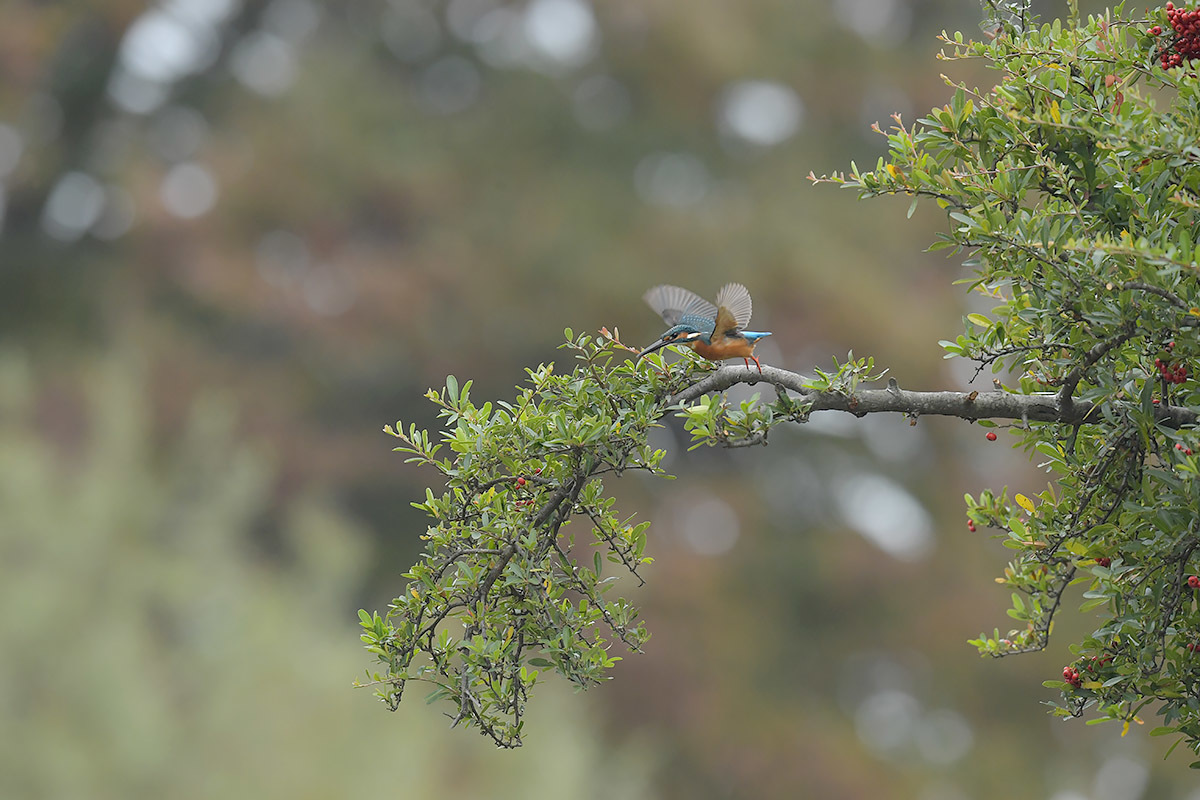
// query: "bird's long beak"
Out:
[657,345]
[684,339]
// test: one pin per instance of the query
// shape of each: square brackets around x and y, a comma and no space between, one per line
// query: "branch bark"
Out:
[965,405]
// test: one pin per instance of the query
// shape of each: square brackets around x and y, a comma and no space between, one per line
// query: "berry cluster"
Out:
[1187,451]
[1192,647]
[521,481]
[1186,43]
[971,525]
[1171,373]
[1075,678]
[1104,561]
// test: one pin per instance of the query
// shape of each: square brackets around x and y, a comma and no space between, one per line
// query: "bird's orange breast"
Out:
[726,348]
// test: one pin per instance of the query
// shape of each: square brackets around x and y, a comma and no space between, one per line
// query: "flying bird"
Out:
[716,331]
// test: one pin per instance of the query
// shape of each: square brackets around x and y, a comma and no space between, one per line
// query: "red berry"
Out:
[991,437]
[1158,363]
[1194,581]
[971,525]
[1171,345]
[1170,6]
[1104,561]
[1187,451]
[520,481]
[1067,673]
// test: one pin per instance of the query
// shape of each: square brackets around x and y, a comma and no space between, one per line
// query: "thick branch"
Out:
[965,405]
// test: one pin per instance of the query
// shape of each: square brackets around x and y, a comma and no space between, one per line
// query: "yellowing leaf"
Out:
[1054,112]
[1125,728]
[1024,502]
[1096,685]
[980,320]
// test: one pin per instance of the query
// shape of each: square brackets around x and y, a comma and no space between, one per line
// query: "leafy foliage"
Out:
[1074,196]
[501,556]
[1073,186]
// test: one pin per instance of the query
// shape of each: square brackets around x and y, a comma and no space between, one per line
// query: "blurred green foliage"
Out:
[152,650]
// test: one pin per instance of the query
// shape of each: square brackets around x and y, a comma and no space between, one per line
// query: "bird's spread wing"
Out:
[725,325]
[735,299]
[673,303]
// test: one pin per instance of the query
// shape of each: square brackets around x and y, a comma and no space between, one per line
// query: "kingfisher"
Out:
[716,331]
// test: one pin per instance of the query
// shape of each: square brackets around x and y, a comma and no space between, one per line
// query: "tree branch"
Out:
[1090,358]
[965,405]
[551,505]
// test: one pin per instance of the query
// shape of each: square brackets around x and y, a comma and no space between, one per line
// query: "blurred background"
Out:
[237,238]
